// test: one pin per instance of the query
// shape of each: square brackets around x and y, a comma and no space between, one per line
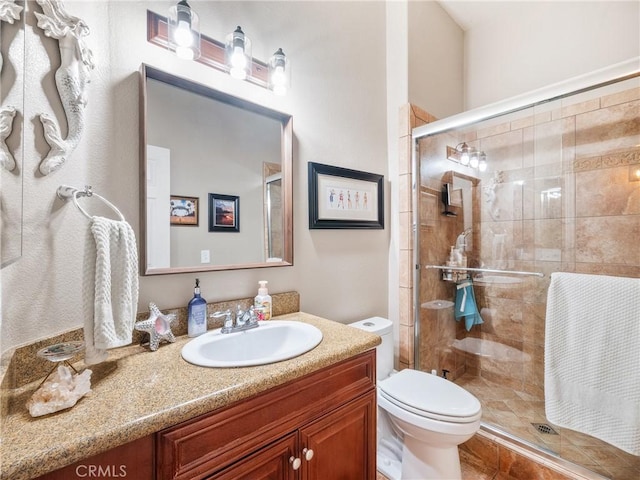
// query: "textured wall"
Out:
[338,104]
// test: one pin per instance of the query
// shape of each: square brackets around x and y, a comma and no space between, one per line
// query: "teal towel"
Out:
[466,305]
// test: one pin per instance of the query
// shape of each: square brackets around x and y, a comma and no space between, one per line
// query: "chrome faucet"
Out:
[242,320]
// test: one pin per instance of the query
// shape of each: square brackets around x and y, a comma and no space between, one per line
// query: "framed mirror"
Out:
[11,128]
[216,181]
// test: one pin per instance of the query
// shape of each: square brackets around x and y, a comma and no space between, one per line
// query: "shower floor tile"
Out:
[514,412]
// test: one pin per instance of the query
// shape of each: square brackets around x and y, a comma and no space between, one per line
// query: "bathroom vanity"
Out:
[320,426]
[310,417]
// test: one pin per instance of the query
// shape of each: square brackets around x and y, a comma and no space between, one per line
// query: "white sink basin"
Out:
[273,341]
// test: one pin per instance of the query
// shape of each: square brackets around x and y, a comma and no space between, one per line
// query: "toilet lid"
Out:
[430,394]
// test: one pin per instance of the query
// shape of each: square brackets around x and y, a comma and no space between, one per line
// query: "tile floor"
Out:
[482,458]
[469,472]
[514,412]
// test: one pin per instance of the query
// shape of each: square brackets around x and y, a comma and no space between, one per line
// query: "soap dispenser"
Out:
[263,301]
[197,313]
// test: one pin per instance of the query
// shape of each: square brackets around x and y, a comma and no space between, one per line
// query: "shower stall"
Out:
[542,183]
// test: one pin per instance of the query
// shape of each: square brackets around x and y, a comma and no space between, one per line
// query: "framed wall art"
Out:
[184,210]
[224,213]
[344,198]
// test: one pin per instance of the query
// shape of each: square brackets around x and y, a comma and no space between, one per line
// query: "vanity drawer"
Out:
[209,443]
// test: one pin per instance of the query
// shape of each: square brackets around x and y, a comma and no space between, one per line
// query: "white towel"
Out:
[110,287]
[592,357]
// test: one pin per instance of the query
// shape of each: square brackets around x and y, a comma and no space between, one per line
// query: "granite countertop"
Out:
[138,392]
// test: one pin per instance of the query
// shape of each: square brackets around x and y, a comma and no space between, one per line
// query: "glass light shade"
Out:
[482,164]
[184,31]
[464,154]
[237,49]
[279,73]
[474,161]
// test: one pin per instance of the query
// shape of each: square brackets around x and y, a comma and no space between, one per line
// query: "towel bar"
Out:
[66,192]
[485,270]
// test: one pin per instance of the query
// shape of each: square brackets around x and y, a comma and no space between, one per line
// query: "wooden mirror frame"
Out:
[148,72]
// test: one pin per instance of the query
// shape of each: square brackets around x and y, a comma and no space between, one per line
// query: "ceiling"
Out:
[470,13]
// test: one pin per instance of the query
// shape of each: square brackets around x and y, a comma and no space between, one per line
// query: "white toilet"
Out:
[422,418]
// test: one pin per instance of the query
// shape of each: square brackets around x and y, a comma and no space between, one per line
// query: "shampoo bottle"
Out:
[454,256]
[197,316]
[263,301]
[463,258]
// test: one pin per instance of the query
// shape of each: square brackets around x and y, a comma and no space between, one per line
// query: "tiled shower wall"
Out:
[410,117]
[562,191]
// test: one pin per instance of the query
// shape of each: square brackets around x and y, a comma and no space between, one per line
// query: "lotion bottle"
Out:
[453,257]
[197,313]
[263,300]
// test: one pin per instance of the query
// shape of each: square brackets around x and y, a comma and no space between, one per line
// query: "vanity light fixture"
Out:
[184,31]
[232,56]
[459,154]
[468,156]
[238,54]
[279,73]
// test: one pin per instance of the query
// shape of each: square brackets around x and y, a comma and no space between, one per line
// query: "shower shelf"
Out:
[453,274]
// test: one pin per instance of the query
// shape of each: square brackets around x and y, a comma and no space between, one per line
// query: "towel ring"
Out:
[65,192]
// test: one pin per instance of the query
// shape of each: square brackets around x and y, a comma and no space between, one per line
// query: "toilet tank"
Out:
[384,351]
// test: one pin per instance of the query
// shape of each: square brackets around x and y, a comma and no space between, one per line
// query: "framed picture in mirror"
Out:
[224,213]
[184,210]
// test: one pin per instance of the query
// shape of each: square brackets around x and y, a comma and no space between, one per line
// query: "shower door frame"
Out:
[599,78]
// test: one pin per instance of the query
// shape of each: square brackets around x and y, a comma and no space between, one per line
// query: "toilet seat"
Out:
[430,396]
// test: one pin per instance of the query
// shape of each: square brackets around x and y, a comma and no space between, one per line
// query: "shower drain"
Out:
[544,428]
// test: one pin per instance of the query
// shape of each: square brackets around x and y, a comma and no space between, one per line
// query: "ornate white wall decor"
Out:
[72,79]
[9,12]
[6,125]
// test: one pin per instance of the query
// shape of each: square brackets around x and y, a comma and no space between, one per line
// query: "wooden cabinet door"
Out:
[343,443]
[133,460]
[274,462]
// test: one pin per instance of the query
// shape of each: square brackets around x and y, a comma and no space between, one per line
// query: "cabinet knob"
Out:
[308,454]
[295,462]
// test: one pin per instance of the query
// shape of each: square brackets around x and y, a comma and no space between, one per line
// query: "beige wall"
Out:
[338,105]
[425,60]
[533,44]
[436,50]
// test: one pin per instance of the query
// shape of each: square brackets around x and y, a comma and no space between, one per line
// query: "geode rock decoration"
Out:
[61,390]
